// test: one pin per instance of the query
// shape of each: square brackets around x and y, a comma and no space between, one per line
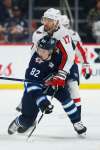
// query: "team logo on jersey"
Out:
[51,65]
[38,60]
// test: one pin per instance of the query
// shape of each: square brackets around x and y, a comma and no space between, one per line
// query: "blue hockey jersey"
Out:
[39,69]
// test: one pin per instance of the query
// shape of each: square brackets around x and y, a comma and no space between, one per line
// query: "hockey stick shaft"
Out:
[22,80]
[35,125]
[15,79]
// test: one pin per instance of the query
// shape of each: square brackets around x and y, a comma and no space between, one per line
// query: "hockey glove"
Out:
[46,107]
[86,71]
[57,80]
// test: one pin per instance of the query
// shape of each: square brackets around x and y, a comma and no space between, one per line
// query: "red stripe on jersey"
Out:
[82,51]
[77,100]
[64,55]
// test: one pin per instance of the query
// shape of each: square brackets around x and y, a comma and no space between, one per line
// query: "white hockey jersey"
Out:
[64,44]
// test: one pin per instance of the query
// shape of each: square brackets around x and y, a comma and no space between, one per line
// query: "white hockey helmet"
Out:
[65,21]
[53,14]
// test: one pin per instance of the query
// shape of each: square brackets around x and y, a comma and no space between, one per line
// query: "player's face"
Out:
[44,54]
[49,24]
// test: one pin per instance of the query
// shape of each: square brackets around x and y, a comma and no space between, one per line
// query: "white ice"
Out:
[55,132]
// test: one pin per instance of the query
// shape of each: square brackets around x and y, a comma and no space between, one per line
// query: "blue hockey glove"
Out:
[46,107]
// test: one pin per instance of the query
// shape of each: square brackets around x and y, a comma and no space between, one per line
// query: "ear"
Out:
[57,23]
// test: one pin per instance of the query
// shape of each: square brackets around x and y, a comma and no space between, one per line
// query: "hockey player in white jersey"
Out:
[51,26]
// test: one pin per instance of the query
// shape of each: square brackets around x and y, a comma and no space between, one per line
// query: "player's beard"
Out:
[50,30]
[47,29]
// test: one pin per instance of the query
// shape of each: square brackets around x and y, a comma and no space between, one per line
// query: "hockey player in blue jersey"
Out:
[51,26]
[45,61]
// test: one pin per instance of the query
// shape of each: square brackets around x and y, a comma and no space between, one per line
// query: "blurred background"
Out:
[19,18]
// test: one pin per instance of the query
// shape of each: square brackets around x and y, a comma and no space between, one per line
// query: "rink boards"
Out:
[14,61]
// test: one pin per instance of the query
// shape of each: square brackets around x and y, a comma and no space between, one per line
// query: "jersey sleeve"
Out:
[81,53]
[68,54]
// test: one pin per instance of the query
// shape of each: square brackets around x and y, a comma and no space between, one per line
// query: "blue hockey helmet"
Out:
[47,43]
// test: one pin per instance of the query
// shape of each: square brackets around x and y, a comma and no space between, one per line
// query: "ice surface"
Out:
[55,131]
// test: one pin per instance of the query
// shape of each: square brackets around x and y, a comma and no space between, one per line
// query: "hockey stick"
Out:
[30,134]
[23,80]
[15,79]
